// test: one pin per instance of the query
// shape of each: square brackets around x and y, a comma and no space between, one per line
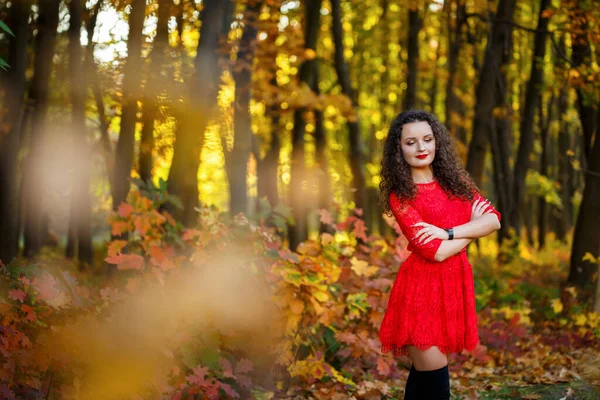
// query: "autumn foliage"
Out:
[225,310]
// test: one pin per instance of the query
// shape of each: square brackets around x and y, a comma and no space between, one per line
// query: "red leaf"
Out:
[326,217]
[17,294]
[30,313]
[126,261]
[360,229]
[383,367]
[198,378]
[125,210]
[229,390]
[226,367]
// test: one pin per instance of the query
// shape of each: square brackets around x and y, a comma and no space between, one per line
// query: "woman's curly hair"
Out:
[396,174]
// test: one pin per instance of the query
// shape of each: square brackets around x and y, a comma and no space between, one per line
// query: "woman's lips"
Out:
[422,156]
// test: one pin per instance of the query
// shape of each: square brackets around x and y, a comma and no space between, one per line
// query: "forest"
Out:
[190,203]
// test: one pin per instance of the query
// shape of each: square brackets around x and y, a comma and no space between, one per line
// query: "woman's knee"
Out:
[427,360]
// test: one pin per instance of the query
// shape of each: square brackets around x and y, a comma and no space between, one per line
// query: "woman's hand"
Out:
[429,232]
[478,208]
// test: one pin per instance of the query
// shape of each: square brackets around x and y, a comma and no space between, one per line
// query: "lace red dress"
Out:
[431,303]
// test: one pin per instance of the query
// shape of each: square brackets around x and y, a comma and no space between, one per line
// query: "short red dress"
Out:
[431,303]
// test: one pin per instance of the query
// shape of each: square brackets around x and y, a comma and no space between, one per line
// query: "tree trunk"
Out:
[298,197]
[93,79]
[526,129]
[586,238]
[545,137]
[199,105]
[267,167]
[154,84]
[80,218]
[355,138]
[324,181]
[565,169]
[242,121]
[454,46]
[414,26]
[10,142]
[499,41]
[581,54]
[34,188]
[131,94]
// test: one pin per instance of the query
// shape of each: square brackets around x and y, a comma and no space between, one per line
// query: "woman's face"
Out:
[418,144]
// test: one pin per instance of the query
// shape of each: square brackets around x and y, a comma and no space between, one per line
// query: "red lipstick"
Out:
[422,156]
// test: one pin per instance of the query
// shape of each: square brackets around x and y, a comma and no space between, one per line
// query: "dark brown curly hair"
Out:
[396,174]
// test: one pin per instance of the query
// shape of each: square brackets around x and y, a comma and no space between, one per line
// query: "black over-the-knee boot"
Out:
[410,390]
[434,385]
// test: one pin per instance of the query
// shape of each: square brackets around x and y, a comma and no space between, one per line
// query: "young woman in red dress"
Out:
[431,309]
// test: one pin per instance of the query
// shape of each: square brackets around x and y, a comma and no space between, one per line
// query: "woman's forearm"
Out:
[450,247]
[477,228]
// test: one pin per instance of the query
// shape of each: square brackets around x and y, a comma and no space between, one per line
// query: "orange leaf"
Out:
[119,227]
[125,210]
[30,313]
[115,247]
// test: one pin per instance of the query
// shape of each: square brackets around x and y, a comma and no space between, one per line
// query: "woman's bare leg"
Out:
[427,360]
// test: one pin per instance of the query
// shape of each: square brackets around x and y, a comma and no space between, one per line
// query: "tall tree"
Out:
[131,94]
[80,218]
[586,238]
[299,231]
[34,187]
[242,121]
[526,128]
[10,140]
[154,84]
[499,41]
[414,26]
[354,135]
[201,100]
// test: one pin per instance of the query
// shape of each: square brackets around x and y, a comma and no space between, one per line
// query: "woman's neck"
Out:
[422,175]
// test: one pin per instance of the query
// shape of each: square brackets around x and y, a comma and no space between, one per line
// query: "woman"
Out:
[431,309]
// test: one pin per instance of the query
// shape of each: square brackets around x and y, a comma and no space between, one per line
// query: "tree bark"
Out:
[354,138]
[545,138]
[33,182]
[10,141]
[80,218]
[154,84]
[499,41]
[414,26]
[199,105]
[586,238]
[131,95]
[242,120]
[526,129]
[298,197]
[454,46]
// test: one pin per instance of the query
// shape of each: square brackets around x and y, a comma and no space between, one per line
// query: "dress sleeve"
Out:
[407,215]
[490,207]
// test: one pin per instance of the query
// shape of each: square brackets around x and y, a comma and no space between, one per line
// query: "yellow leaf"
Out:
[297,306]
[557,305]
[580,320]
[590,257]
[362,267]
[321,296]
[572,290]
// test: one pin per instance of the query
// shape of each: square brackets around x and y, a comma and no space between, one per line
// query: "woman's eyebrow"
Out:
[429,134]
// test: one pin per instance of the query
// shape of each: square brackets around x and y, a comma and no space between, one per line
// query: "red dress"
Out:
[431,303]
